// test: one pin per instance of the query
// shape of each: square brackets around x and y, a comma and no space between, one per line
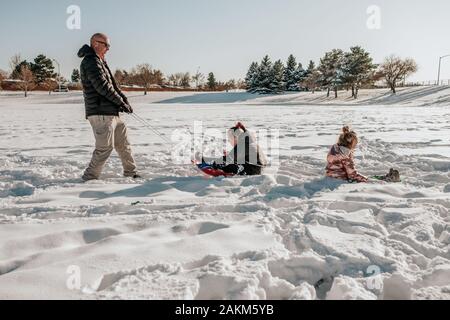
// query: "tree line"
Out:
[337,70]
[41,73]
[144,76]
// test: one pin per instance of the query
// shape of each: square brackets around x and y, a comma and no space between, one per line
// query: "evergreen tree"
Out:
[251,77]
[264,77]
[311,67]
[42,68]
[308,81]
[211,82]
[331,69]
[300,76]
[277,75]
[291,74]
[312,80]
[76,75]
[18,69]
[358,69]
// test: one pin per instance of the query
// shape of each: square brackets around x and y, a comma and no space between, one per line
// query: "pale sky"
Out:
[226,36]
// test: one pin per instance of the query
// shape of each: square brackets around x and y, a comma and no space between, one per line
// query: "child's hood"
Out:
[338,150]
[345,151]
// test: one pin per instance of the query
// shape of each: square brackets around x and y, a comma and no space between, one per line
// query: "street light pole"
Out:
[439,70]
[59,75]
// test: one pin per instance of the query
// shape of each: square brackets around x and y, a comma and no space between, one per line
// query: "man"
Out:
[104,101]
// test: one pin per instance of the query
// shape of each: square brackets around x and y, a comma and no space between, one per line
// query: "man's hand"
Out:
[126,108]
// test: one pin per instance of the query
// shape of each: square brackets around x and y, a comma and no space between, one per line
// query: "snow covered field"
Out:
[289,234]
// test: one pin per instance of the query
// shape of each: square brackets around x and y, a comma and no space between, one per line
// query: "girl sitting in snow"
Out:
[340,158]
[246,157]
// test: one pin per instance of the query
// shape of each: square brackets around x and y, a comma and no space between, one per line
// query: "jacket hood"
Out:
[85,50]
[346,151]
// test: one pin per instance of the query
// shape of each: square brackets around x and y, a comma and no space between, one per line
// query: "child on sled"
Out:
[246,157]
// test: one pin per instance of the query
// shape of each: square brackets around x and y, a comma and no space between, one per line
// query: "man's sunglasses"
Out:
[104,43]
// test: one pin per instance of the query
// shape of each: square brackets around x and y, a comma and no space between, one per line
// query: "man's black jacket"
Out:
[102,96]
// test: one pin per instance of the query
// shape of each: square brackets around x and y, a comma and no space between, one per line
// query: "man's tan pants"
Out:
[110,133]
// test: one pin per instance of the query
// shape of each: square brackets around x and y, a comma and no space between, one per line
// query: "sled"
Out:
[392,176]
[208,169]
[383,178]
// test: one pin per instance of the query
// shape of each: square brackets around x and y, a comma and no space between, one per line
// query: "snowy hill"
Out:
[416,96]
[413,96]
[288,234]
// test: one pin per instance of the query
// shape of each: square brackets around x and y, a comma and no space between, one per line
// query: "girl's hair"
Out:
[347,137]
[237,131]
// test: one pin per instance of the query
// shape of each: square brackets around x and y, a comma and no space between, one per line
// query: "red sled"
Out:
[210,171]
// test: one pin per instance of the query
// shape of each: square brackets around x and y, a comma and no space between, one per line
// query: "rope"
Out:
[149,126]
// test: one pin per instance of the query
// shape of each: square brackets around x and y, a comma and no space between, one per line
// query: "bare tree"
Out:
[144,76]
[14,61]
[396,70]
[119,76]
[198,78]
[185,80]
[176,79]
[312,81]
[27,81]
[230,85]
[51,85]
[158,77]
[3,76]
[241,85]
[122,77]
[171,80]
